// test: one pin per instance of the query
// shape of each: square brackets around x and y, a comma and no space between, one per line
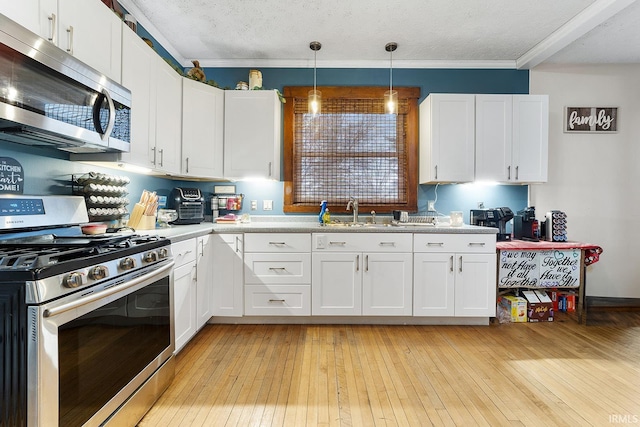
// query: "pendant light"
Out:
[315,96]
[391,96]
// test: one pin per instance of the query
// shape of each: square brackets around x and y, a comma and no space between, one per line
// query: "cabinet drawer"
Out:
[362,242]
[292,268]
[184,251]
[471,243]
[277,242]
[274,300]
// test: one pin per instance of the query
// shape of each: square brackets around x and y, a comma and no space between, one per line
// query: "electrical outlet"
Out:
[431,205]
[267,205]
[254,205]
[480,205]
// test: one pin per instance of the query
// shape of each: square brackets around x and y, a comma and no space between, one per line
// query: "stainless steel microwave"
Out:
[48,97]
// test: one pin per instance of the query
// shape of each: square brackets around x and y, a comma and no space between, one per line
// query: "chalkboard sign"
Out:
[541,269]
[11,176]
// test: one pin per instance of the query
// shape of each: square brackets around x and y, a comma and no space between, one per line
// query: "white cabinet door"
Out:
[475,292]
[202,129]
[447,135]
[228,282]
[168,113]
[494,137]
[184,303]
[336,284]
[91,32]
[387,284]
[38,16]
[530,138]
[204,265]
[138,75]
[512,138]
[433,284]
[252,134]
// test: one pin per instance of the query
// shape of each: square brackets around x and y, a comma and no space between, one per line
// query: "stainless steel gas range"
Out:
[85,321]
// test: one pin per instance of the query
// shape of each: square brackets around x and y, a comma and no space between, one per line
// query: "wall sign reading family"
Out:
[591,119]
[11,176]
[541,269]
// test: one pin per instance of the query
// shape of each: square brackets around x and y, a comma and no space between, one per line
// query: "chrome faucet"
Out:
[353,203]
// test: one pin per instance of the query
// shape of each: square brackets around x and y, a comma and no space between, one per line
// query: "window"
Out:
[351,149]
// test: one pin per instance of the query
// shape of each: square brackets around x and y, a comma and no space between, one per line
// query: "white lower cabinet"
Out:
[277,274]
[184,292]
[204,279]
[357,274]
[454,275]
[227,283]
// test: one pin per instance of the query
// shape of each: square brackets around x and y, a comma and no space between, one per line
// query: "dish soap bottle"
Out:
[323,208]
[326,218]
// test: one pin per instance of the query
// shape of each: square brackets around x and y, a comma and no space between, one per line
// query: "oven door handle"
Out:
[51,312]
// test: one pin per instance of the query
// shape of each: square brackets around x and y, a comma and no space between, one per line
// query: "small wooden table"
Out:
[546,265]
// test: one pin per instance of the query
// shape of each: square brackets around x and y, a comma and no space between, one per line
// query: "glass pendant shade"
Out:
[391,102]
[315,101]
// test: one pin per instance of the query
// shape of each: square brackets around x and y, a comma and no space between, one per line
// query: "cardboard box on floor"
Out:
[515,307]
[540,306]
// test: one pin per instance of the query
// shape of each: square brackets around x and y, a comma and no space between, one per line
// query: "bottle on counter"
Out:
[323,208]
[326,217]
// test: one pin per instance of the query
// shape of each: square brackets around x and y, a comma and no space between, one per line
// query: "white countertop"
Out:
[304,225]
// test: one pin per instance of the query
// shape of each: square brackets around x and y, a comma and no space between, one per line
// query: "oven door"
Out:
[90,351]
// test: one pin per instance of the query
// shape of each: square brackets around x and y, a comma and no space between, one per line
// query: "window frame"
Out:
[411,94]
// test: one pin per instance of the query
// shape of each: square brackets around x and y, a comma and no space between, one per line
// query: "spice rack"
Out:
[104,195]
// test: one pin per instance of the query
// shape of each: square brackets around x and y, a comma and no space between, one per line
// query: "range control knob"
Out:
[127,263]
[99,272]
[151,256]
[163,253]
[72,280]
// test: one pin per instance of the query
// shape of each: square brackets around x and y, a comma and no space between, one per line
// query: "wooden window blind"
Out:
[351,149]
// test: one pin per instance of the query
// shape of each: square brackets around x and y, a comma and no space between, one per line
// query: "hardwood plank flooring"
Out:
[529,374]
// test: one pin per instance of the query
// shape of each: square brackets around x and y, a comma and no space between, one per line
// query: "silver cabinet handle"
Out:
[187,165]
[237,245]
[387,243]
[357,262]
[509,172]
[436,171]
[270,170]
[460,266]
[338,243]
[154,155]
[366,263]
[277,269]
[276,300]
[435,244]
[161,157]
[52,27]
[70,39]
[278,243]
[201,248]
[517,172]
[451,263]
[476,244]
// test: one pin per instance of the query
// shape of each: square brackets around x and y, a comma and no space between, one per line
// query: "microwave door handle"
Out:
[104,134]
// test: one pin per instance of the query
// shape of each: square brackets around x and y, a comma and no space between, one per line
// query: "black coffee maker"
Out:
[496,217]
[525,225]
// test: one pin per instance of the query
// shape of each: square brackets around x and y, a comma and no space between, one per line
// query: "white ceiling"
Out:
[429,33]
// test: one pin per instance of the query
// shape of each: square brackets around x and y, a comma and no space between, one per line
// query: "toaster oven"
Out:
[189,204]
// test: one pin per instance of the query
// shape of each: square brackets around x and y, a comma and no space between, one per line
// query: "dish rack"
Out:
[104,195]
[420,220]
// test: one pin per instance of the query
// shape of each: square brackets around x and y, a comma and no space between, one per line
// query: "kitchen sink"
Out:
[359,225]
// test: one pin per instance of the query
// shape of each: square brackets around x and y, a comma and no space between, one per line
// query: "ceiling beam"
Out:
[594,15]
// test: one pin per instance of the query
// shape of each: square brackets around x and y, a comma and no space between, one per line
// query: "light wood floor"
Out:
[546,374]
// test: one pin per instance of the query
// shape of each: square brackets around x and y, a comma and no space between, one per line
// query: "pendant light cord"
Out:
[315,57]
[391,73]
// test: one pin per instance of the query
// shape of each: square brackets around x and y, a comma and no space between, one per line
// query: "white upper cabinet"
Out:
[512,138]
[138,75]
[252,134]
[447,132]
[202,129]
[166,153]
[86,29]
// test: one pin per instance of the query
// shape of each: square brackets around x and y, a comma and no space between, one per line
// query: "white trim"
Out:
[594,15]
[305,63]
